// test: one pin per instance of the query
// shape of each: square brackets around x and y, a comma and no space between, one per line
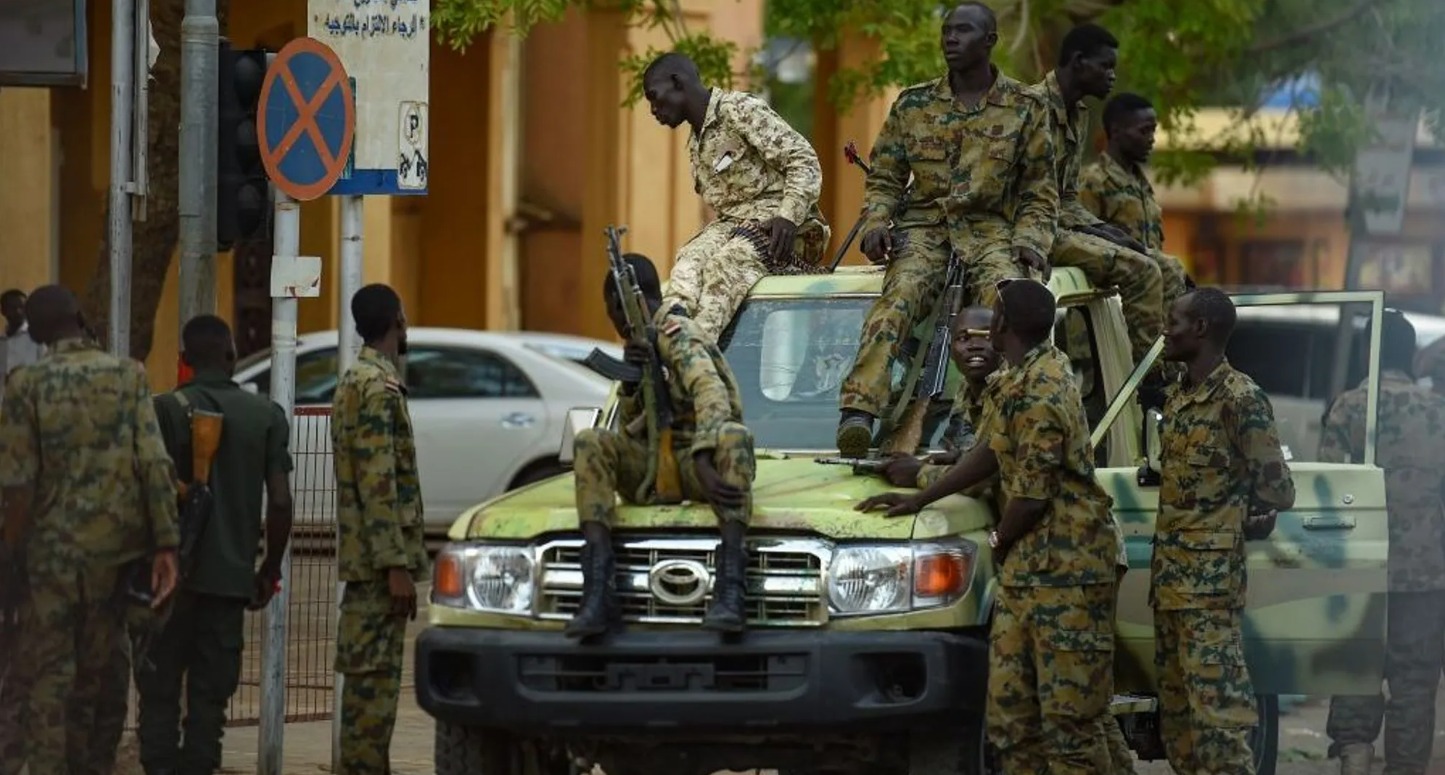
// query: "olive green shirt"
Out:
[255,443]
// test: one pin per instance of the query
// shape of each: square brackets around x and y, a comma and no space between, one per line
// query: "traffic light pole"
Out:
[200,39]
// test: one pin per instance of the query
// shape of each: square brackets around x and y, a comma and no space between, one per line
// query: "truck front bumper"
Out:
[651,681]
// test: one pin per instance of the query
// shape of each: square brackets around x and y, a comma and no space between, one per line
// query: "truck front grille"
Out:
[784,581]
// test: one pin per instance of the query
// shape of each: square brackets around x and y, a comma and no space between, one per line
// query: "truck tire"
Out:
[464,750]
[1264,740]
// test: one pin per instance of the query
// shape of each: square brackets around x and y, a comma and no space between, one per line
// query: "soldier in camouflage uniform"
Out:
[711,454]
[977,145]
[760,178]
[381,554]
[1106,255]
[1223,480]
[1411,449]
[1051,656]
[83,468]
[1115,189]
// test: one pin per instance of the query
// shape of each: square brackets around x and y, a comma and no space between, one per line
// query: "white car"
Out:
[487,408]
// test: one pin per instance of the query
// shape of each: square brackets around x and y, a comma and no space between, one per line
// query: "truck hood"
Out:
[792,495]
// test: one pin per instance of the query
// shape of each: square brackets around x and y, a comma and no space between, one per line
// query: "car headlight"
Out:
[485,578]
[895,578]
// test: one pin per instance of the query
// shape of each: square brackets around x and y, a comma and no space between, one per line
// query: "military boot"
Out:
[728,612]
[1355,758]
[855,433]
[598,607]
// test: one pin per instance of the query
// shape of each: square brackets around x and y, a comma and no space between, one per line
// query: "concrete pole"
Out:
[122,93]
[351,281]
[200,45]
[287,241]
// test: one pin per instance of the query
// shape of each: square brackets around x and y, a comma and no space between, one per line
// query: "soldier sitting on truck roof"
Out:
[714,458]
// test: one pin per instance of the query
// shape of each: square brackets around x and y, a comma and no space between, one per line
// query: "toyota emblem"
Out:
[679,582]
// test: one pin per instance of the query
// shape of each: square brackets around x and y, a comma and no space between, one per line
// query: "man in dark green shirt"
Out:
[201,642]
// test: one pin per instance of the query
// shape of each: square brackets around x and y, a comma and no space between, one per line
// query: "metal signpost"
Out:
[385,47]
[304,127]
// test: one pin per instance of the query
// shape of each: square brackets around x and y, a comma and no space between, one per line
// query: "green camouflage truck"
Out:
[861,656]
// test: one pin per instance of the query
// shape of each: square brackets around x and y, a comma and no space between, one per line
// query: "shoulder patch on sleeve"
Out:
[672,327]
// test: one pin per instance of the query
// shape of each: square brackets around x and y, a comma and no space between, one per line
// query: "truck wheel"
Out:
[1264,740]
[470,751]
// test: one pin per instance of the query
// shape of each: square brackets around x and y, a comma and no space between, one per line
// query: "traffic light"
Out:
[242,195]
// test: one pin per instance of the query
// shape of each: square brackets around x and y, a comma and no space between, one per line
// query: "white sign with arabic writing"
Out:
[384,45]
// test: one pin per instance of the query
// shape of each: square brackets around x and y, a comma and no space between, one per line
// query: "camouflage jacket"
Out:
[1071,137]
[1220,455]
[378,491]
[977,407]
[748,164]
[1041,438]
[1124,198]
[1411,449]
[979,170]
[703,389]
[78,426]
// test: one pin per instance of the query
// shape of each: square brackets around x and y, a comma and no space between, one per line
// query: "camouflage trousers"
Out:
[1414,655]
[607,463]
[1206,701]
[911,286]
[71,632]
[13,697]
[713,272]
[1121,758]
[199,647]
[1136,276]
[1051,678]
[369,652]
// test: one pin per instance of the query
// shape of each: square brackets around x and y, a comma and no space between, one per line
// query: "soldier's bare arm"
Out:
[1256,439]
[783,147]
[883,188]
[1038,210]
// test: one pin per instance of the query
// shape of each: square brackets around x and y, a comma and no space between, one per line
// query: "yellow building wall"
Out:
[27,165]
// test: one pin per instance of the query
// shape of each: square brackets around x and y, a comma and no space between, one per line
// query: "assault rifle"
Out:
[850,152]
[861,465]
[935,361]
[660,485]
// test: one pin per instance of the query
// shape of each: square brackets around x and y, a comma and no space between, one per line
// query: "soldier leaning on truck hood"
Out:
[758,174]
[711,456]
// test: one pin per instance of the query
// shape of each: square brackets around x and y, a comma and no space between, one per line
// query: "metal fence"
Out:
[311,580]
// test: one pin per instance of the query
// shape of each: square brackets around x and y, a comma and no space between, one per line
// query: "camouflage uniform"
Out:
[1104,263]
[980,184]
[1220,457]
[975,408]
[1125,198]
[379,518]
[707,415]
[78,427]
[1051,661]
[1411,449]
[749,166]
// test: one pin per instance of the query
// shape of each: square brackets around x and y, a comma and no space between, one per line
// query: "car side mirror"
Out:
[578,419]
[1153,429]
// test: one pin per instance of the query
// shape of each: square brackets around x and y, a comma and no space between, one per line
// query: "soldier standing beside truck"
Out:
[200,643]
[758,175]
[1051,650]
[89,515]
[381,554]
[1223,479]
[1411,449]
[978,146]
[708,457]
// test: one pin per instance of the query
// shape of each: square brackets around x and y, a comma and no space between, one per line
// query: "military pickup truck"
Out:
[867,647]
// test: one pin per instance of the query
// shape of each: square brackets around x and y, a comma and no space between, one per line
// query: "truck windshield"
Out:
[790,356]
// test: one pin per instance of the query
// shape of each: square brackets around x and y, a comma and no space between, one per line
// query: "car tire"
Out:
[462,750]
[536,471]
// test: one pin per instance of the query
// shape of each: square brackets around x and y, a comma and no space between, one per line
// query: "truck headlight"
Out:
[895,578]
[485,578]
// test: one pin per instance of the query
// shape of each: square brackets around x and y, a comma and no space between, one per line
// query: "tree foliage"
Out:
[1185,55]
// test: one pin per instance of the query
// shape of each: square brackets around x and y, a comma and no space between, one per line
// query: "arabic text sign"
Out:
[384,45]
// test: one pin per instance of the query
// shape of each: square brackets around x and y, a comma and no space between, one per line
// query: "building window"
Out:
[1403,268]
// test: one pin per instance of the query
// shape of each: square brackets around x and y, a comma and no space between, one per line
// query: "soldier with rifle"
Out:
[231,451]
[681,436]
[977,145]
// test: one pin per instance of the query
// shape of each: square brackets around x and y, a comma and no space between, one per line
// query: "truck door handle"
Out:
[1329,523]
[518,420]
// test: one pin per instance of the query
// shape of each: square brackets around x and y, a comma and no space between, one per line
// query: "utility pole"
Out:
[122,98]
[200,36]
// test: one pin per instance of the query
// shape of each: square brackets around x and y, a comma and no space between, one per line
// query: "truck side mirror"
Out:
[578,418]
[1153,425]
